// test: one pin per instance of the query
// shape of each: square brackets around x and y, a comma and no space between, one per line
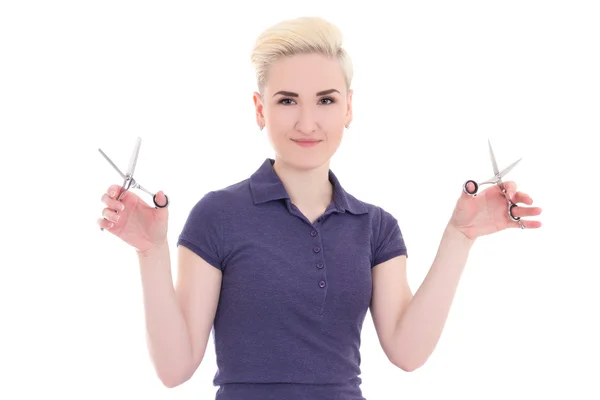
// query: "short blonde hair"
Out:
[299,36]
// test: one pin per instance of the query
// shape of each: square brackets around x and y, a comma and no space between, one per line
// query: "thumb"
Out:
[470,186]
[161,198]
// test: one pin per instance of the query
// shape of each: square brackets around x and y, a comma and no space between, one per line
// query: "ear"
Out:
[349,115]
[258,104]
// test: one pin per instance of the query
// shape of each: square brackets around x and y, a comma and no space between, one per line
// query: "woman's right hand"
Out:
[133,221]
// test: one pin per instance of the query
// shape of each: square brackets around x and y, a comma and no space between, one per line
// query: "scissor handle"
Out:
[466,188]
[158,205]
[510,214]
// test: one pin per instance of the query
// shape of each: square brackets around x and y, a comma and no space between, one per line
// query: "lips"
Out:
[306,143]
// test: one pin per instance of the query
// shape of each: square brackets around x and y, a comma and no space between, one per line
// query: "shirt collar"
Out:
[266,185]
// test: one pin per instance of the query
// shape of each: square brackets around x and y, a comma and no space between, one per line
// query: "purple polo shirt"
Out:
[294,294]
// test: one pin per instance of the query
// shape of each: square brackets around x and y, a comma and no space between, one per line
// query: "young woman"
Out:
[286,263]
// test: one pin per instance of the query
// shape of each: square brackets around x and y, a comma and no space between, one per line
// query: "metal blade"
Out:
[507,169]
[134,157]
[111,163]
[494,164]
[501,174]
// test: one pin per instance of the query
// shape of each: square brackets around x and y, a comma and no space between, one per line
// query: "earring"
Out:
[347,126]
[262,126]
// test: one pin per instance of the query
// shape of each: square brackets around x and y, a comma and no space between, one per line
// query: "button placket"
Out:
[320,264]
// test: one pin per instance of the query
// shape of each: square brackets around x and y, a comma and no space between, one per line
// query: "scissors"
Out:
[496,179]
[129,182]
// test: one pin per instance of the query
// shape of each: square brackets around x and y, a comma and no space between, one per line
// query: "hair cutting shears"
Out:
[496,179]
[130,183]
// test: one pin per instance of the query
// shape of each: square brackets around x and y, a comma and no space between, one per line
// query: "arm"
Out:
[408,326]
[178,322]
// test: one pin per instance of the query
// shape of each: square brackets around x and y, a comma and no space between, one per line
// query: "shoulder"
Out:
[208,224]
[225,199]
[386,236]
[383,223]
[377,214]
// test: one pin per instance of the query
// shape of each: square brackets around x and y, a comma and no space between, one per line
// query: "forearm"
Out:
[420,326]
[167,333]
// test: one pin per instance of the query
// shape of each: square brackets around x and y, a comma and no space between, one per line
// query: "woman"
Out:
[286,263]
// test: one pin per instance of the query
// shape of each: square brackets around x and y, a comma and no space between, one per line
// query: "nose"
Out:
[307,122]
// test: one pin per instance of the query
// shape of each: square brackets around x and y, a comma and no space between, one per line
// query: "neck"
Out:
[308,189]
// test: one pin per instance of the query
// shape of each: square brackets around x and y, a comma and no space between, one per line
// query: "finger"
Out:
[112,203]
[511,189]
[470,187]
[113,191]
[161,198]
[521,197]
[464,196]
[111,215]
[520,212]
[105,224]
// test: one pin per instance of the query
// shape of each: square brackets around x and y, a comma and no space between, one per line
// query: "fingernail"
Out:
[112,193]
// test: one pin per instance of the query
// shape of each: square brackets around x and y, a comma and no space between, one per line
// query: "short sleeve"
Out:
[390,242]
[202,232]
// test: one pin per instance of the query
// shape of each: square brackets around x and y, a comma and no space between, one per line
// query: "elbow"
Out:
[406,364]
[408,367]
[172,378]
[408,356]
[172,381]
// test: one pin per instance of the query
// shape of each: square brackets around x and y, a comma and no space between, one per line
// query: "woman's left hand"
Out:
[487,212]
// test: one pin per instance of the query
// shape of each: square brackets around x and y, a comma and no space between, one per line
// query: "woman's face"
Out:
[305,107]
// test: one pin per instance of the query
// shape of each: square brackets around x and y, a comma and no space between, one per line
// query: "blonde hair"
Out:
[299,36]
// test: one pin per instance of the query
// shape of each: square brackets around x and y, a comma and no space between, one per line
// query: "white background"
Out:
[434,81]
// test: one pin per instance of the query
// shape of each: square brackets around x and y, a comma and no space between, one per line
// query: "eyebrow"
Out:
[292,94]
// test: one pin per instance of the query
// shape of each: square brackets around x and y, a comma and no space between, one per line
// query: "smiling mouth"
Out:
[306,143]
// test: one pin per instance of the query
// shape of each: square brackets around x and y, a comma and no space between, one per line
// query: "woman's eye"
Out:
[326,100]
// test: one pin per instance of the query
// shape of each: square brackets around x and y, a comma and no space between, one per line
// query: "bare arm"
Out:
[419,326]
[409,326]
[178,321]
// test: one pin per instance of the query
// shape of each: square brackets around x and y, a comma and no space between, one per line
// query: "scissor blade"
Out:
[494,164]
[507,169]
[502,173]
[134,156]
[111,163]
